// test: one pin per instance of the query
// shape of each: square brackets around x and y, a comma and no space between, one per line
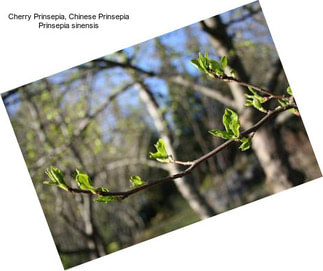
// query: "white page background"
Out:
[280,232]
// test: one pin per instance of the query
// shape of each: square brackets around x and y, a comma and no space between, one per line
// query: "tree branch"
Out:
[191,165]
[229,79]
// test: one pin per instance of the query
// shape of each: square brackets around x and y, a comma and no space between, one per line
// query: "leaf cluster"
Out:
[210,66]
[56,177]
[255,100]
[231,124]
[161,154]
[84,182]
[136,181]
[285,101]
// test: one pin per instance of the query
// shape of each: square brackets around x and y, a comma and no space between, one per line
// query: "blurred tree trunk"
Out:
[196,201]
[264,142]
[94,241]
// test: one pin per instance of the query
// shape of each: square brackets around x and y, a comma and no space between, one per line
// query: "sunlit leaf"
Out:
[101,189]
[289,91]
[231,122]
[216,67]
[255,100]
[55,174]
[256,95]
[294,111]
[106,199]
[56,177]
[283,102]
[252,91]
[246,143]
[210,66]
[83,181]
[197,64]
[221,134]
[203,62]
[224,62]
[257,104]
[248,102]
[161,154]
[136,181]
[233,73]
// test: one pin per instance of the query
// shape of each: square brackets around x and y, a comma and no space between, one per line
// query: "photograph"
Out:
[160,135]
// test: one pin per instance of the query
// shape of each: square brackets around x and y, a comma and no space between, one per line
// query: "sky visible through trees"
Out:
[104,117]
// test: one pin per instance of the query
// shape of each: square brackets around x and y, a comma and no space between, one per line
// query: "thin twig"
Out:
[187,163]
[124,194]
[226,78]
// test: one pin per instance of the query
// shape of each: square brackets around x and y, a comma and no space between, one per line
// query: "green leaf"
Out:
[221,134]
[83,181]
[224,62]
[56,177]
[257,104]
[233,73]
[252,91]
[255,100]
[203,62]
[136,181]
[231,122]
[161,154]
[63,186]
[289,91]
[248,102]
[101,189]
[216,67]
[283,102]
[49,182]
[209,66]
[246,143]
[55,174]
[106,199]
[197,64]
[294,111]
[256,95]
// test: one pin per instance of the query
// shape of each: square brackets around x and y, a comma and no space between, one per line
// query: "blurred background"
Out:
[104,117]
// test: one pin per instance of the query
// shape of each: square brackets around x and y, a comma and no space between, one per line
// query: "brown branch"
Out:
[188,163]
[193,164]
[226,78]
